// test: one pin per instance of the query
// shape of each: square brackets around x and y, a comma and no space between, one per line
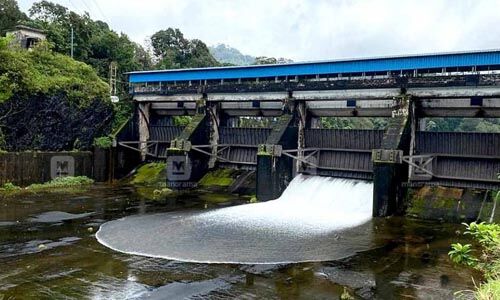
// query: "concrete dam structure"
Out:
[403,89]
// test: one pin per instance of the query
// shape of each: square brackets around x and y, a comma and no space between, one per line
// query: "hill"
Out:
[229,55]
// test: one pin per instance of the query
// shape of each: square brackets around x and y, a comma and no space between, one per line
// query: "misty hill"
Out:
[229,55]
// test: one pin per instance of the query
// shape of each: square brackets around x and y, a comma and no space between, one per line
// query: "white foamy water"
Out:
[309,204]
[316,219]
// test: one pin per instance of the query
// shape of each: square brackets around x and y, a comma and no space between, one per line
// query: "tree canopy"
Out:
[10,16]
[174,51]
[94,42]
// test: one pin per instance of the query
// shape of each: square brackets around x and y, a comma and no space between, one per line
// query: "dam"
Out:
[405,90]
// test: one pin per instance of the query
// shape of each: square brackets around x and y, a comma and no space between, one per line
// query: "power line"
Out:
[74,6]
[101,12]
[85,3]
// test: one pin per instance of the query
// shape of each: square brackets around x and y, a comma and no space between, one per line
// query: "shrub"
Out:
[104,142]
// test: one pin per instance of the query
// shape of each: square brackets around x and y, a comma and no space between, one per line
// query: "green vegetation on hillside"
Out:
[42,71]
[94,42]
[43,93]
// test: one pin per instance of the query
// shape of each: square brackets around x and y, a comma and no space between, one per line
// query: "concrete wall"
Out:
[452,204]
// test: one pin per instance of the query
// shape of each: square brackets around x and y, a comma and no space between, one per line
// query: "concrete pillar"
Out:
[274,172]
[413,134]
[144,112]
[186,166]
[274,169]
[301,117]
[214,121]
[388,169]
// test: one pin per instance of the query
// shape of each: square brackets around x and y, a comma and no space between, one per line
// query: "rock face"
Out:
[43,122]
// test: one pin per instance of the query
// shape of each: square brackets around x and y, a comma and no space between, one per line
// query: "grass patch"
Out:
[68,183]
[61,182]
[9,187]
[489,290]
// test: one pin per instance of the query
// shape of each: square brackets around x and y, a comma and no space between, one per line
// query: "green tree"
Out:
[94,42]
[174,51]
[10,16]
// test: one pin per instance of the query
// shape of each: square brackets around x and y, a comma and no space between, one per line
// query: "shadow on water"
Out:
[48,250]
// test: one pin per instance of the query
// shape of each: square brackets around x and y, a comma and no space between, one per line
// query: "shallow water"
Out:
[48,250]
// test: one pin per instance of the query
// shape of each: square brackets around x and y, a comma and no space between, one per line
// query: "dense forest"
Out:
[49,101]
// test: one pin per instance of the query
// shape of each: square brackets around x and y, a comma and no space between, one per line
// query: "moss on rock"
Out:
[216,198]
[219,178]
[150,174]
[448,204]
[152,193]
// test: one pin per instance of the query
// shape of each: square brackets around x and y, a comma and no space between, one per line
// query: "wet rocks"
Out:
[362,283]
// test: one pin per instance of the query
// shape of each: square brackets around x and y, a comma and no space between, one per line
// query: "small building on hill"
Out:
[27,37]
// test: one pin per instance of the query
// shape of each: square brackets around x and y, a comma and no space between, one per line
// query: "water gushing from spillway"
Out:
[316,218]
[309,205]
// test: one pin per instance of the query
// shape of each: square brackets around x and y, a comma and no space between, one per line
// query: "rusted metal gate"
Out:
[461,159]
[338,152]
[238,146]
[161,133]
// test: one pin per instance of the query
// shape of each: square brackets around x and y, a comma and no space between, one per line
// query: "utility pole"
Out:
[113,70]
[71,25]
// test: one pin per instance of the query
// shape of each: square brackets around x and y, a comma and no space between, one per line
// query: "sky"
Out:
[305,30]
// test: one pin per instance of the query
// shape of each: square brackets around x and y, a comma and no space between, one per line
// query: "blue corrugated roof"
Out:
[377,64]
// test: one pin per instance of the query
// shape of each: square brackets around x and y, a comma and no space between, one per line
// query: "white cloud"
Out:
[310,30]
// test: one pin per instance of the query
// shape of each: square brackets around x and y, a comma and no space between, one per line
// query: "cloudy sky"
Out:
[309,29]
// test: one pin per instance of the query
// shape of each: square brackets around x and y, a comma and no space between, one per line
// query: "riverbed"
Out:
[48,250]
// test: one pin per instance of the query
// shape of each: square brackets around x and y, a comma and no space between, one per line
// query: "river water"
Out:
[48,250]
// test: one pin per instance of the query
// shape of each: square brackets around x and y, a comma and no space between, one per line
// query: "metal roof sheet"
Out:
[358,65]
